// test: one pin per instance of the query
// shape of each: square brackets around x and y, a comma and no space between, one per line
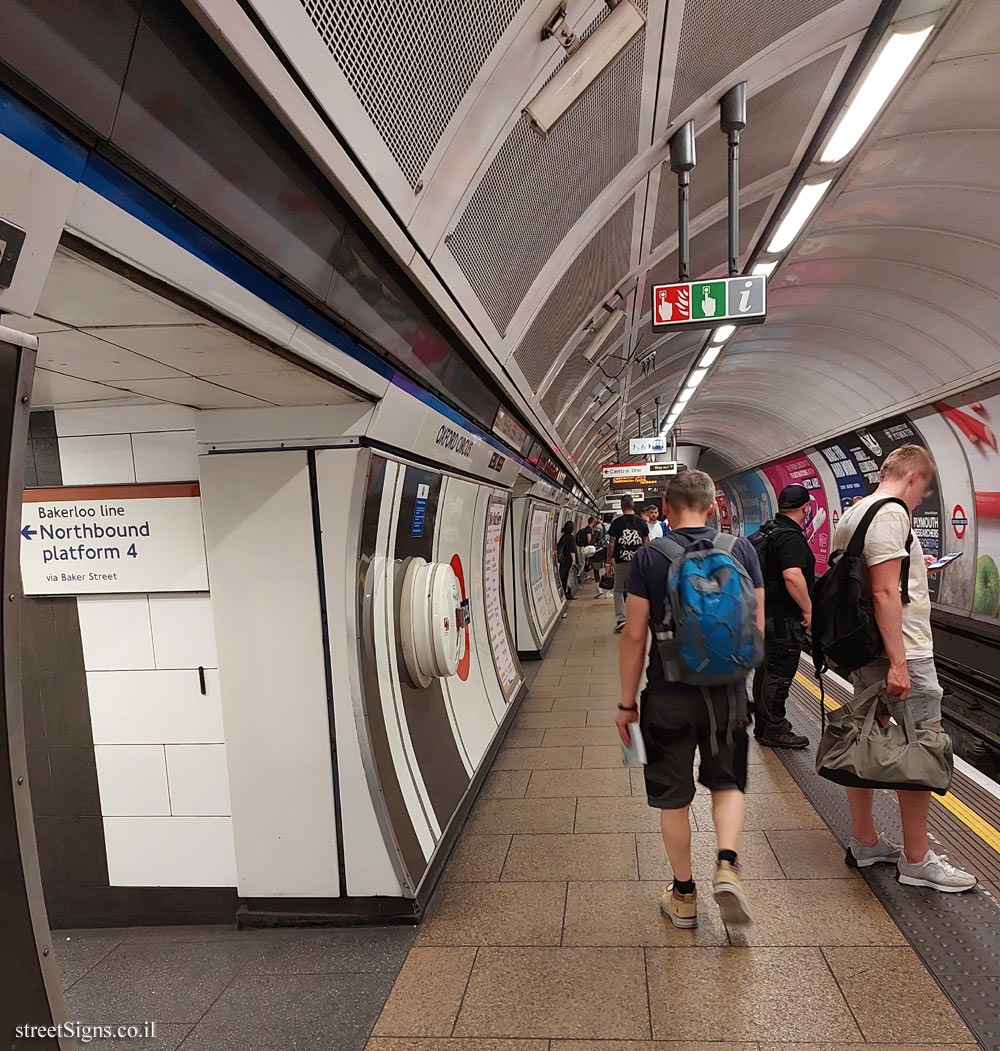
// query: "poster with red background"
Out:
[800,470]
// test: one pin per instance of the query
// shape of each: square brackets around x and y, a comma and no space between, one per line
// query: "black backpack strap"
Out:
[857,542]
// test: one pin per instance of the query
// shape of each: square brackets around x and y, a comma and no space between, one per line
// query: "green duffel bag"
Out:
[857,751]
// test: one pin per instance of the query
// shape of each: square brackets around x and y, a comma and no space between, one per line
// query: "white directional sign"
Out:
[113,539]
[646,446]
[633,470]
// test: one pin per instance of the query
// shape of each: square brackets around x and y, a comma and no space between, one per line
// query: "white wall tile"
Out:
[124,420]
[165,456]
[198,779]
[116,632]
[132,779]
[183,631]
[170,851]
[154,707]
[98,459]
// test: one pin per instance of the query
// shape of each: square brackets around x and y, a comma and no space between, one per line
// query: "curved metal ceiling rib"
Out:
[893,290]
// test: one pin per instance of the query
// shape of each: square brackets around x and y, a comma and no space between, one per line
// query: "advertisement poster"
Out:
[868,448]
[750,502]
[722,507]
[493,600]
[538,561]
[975,419]
[851,485]
[800,470]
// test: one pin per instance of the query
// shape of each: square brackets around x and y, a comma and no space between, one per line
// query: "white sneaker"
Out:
[885,852]
[936,872]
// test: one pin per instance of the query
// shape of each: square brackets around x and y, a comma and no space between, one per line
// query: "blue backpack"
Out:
[710,635]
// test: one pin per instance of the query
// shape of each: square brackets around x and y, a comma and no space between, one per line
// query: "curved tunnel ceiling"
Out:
[889,296]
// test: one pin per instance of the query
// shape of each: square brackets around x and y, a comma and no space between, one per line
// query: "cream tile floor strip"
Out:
[545,933]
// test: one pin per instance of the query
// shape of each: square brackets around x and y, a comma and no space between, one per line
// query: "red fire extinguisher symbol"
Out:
[671,303]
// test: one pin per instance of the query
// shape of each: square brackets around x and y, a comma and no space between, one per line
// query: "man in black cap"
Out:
[789,569]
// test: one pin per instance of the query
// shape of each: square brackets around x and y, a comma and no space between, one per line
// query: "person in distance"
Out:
[789,569]
[677,717]
[907,666]
[627,535]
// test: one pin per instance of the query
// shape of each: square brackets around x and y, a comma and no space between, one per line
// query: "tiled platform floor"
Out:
[545,934]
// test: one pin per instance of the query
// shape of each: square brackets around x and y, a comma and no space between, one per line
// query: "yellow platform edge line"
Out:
[972,821]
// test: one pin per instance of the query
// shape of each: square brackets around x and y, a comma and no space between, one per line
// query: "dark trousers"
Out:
[771,682]
[564,568]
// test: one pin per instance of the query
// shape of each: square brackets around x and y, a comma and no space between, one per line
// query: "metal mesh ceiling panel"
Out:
[410,64]
[569,378]
[591,275]
[535,189]
[777,119]
[718,36]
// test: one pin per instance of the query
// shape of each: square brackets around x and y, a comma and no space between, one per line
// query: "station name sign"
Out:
[113,539]
[704,304]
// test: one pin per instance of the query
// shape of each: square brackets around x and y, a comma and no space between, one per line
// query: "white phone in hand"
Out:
[635,754]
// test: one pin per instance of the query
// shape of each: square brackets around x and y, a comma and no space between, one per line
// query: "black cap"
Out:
[792,497]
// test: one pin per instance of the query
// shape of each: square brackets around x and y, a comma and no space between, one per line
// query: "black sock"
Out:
[684,886]
[728,855]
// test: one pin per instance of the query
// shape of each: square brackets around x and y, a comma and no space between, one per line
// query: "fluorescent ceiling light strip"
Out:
[803,206]
[696,377]
[584,66]
[684,395]
[722,333]
[765,269]
[885,73]
[709,357]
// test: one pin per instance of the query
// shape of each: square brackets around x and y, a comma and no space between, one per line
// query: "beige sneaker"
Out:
[728,888]
[681,908]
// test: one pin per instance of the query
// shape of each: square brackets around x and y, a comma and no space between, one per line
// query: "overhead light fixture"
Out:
[586,61]
[722,333]
[803,206]
[765,269]
[684,395]
[697,375]
[886,72]
[604,331]
[708,358]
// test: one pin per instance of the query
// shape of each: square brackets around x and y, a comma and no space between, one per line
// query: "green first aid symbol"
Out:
[708,299]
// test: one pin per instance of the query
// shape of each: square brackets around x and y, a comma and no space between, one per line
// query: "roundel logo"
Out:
[959,521]
[466,661]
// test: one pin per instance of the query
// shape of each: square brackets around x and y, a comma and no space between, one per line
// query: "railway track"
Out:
[967,654]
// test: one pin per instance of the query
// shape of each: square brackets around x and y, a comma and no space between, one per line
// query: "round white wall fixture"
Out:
[432,621]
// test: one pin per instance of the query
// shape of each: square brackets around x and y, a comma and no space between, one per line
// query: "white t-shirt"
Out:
[885,540]
[655,530]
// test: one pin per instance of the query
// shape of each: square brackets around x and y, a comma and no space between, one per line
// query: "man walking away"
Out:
[627,534]
[678,717]
[651,516]
[585,547]
[789,569]
[907,666]
[601,554]
[567,556]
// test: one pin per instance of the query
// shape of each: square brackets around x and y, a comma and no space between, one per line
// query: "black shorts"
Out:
[673,726]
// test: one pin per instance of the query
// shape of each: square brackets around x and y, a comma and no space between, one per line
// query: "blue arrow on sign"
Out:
[28,533]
